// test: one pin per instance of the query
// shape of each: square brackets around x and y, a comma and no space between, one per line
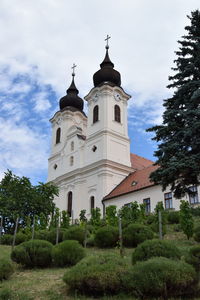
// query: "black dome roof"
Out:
[72,99]
[107,73]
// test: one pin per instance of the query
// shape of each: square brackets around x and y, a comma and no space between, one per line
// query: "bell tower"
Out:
[107,130]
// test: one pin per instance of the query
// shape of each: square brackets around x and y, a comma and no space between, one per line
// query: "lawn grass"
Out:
[47,284]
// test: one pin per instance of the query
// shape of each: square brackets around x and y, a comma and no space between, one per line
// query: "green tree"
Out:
[95,219]
[155,225]
[186,219]
[178,152]
[19,198]
[82,216]
[111,215]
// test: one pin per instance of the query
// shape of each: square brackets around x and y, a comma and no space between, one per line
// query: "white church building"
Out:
[90,158]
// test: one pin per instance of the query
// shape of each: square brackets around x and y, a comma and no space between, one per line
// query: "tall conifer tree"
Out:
[178,137]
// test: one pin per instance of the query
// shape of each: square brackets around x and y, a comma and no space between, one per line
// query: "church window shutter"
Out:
[58,132]
[117,114]
[95,114]
[69,204]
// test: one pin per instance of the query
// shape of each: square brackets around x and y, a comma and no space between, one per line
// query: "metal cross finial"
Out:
[73,67]
[107,38]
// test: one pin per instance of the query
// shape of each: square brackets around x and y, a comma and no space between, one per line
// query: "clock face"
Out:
[117,97]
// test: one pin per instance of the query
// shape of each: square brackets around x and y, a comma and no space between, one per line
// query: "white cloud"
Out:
[41,39]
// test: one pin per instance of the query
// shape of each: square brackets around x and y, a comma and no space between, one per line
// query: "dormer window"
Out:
[95,114]
[117,113]
[58,133]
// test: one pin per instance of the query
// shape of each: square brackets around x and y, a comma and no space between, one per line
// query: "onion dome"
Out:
[107,73]
[72,100]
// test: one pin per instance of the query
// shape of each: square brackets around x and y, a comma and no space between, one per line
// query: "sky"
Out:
[41,39]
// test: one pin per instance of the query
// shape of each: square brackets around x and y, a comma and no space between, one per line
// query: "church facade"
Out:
[90,158]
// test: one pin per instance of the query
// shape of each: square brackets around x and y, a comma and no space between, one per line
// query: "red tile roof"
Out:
[139,162]
[135,181]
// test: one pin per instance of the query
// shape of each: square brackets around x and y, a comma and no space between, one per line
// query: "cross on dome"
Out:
[107,38]
[73,68]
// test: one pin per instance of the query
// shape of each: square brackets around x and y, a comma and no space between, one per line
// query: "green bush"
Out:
[135,234]
[173,217]
[197,234]
[177,228]
[51,235]
[150,219]
[6,239]
[193,257]
[106,237]
[96,275]
[160,277]
[152,248]
[6,269]
[5,294]
[34,253]
[76,233]
[90,241]
[67,253]
[21,237]
[41,235]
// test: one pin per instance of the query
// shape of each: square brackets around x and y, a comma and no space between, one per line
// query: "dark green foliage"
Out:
[173,217]
[177,227]
[82,216]
[152,248]
[41,235]
[178,152]
[90,241]
[106,237]
[150,219]
[65,219]
[130,213]
[51,235]
[186,219]
[75,233]
[22,237]
[195,211]
[67,253]
[96,275]
[197,234]
[34,253]
[135,234]
[5,294]
[95,219]
[18,198]
[155,224]
[7,239]
[160,277]
[111,215]
[6,269]
[193,257]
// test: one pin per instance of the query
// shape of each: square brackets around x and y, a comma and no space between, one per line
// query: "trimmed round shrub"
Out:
[76,233]
[6,269]
[34,253]
[67,253]
[51,235]
[173,217]
[160,277]
[90,241]
[21,237]
[135,234]
[193,257]
[7,239]
[197,234]
[96,275]
[41,235]
[152,248]
[106,237]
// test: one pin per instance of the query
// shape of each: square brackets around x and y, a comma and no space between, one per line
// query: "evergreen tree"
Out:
[178,153]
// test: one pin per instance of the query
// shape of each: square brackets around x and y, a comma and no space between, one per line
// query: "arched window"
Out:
[95,114]
[72,146]
[69,204]
[117,114]
[71,160]
[58,132]
[91,203]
